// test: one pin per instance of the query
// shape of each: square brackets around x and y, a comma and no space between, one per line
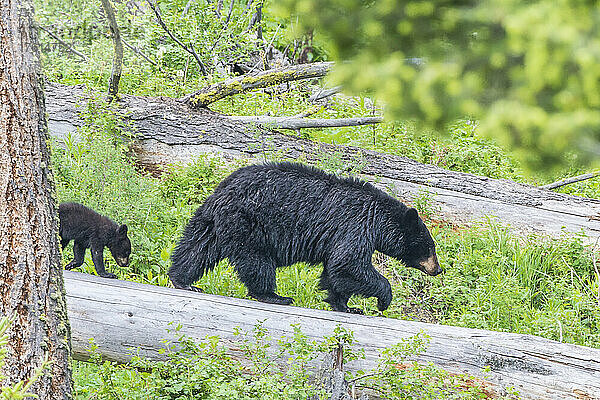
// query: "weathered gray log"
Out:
[127,318]
[169,132]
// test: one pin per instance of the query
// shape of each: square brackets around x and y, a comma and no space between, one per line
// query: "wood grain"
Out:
[127,318]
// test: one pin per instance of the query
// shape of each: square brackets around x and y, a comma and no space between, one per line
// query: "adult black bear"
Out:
[263,217]
[88,229]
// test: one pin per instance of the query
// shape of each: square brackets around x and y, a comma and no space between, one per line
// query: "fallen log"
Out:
[170,132]
[126,318]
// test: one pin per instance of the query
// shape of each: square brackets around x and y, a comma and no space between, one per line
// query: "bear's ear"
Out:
[411,218]
[122,230]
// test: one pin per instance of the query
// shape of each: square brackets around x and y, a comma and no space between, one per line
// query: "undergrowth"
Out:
[268,368]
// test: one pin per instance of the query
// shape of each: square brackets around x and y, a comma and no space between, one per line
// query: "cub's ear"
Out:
[411,218]
[122,230]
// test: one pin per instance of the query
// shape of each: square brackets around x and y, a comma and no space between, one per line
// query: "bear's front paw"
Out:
[70,266]
[109,275]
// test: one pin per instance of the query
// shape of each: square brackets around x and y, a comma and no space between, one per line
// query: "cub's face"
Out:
[417,249]
[121,247]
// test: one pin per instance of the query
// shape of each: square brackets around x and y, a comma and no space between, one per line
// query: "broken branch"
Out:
[324,93]
[210,94]
[301,123]
[140,53]
[63,43]
[189,48]
[569,181]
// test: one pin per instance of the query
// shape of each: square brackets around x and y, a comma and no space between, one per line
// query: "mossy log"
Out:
[263,79]
[126,318]
[170,132]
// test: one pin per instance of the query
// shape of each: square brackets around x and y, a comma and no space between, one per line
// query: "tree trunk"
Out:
[126,318]
[115,75]
[31,282]
[168,132]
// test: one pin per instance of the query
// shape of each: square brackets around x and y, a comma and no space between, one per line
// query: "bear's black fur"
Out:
[263,217]
[88,229]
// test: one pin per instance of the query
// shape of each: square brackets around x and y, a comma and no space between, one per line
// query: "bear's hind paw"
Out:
[354,310]
[273,298]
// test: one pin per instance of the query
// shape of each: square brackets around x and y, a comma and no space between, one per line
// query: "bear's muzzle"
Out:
[431,266]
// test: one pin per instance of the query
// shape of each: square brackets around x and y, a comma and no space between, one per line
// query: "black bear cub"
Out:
[263,217]
[88,229]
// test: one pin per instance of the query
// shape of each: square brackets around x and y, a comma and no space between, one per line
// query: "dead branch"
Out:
[62,42]
[301,123]
[189,48]
[115,75]
[276,76]
[268,52]
[219,7]
[571,180]
[324,93]
[229,13]
[140,53]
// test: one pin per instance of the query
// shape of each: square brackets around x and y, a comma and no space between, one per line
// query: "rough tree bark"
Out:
[169,132]
[31,281]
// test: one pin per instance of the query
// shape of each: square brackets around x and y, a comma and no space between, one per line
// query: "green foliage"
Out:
[219,39]
[264,368]
[527,70]
[462,148]
[204,370]
[19,390]
[191,184]
[495,281]
[398,378]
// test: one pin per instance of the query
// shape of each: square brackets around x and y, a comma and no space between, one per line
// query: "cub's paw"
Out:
[108,275]
[195,289]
